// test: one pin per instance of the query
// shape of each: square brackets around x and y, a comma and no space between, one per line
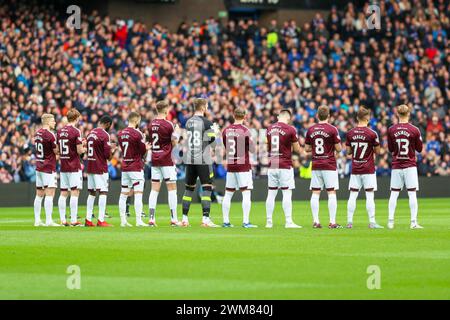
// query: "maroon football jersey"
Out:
[68,138]
[322,137]
[161,132]
[238,144]
[45,142]
[280,137]
[404,140]
[362,141]
[132,144]
[98,151]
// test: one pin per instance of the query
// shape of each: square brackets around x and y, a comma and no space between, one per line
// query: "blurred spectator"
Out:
[117,66]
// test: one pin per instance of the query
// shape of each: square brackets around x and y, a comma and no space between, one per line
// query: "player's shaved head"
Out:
[200,104]
[162,106]
[73,115]
[106,121]
[134,118]
[285,115]
[323,112]
[363,114]
[47,118]
[403,111]
[239,113]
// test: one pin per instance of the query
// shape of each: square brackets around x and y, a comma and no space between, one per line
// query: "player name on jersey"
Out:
[132,144]
[280,137]
[200,136]
[68,138]
[98,151]
[161,132]
[404,140]
[238,143]
[362,141]
[45,142]
[322,137]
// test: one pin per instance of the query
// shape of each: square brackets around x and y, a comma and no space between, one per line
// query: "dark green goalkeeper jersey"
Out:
[200,136]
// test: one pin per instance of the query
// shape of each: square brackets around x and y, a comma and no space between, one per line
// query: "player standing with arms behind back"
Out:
[201,134]
[99,151]
[322,140]
[162,138]
[238,145]
[133,147]
[404,140]
[281,139]
[362,143]
[71,147]
[46,151]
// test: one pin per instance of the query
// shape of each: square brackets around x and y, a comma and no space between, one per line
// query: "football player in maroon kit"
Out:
[99,151]
[71,146]
[46,151]
[162,138]
[404,140]
[133,146]
[281,139]
[322,140]
[238,144]
[362,145]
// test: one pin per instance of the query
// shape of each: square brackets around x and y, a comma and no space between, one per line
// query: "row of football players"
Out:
[322,141]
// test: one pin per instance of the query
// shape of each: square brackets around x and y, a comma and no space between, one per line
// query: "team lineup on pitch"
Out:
[321,142]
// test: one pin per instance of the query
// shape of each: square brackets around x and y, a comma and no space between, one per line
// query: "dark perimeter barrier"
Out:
[22,194]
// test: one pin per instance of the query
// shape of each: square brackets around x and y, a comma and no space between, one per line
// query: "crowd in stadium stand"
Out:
[117,66]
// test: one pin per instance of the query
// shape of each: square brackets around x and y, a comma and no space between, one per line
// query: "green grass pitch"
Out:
[198,263]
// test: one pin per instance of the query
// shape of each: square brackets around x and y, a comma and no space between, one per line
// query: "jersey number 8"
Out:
[318,144]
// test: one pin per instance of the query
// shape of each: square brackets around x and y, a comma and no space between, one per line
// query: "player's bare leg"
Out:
[124,194]
[74,194]
[90,208]
[102,210]
[351,207]
[413,206]
[315,196]
[226,205]
[37,207]
[152,200]
[270,206]
[187,200]
[62,203]
[392,205]
[48,207]
[173,202]
[332,209]
[287,208]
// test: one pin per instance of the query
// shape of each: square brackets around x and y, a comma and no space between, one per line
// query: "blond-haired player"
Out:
[46,151]
[404,140]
